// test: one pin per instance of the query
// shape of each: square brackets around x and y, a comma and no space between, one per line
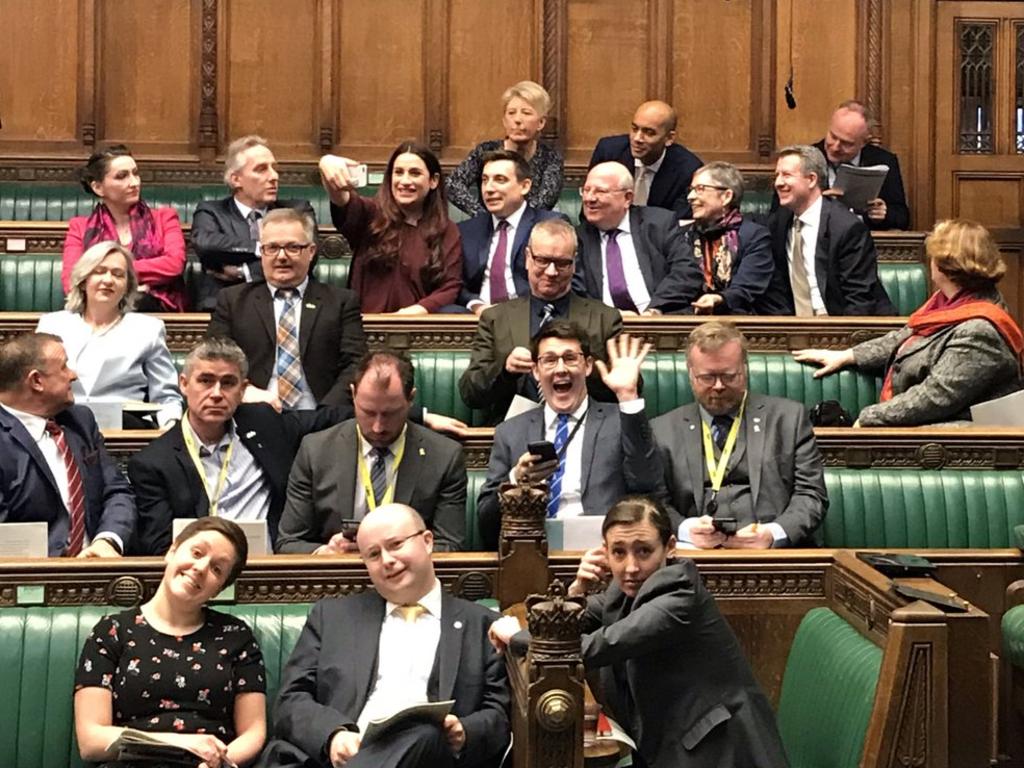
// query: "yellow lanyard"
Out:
[364,472]
[193,451]
[716,471]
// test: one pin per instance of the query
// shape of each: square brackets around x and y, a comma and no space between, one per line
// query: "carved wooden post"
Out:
[553,715]
[523,543]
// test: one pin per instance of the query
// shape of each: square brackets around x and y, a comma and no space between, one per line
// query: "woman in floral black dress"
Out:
[174,668]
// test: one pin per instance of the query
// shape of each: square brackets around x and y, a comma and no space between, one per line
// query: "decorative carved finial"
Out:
[524,508]
[555,622]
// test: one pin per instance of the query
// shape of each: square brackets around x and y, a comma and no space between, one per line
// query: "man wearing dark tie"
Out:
[500,365]
[54,467]
[494,241]
[634,258]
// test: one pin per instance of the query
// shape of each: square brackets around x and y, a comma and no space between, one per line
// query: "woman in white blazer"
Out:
[119,355]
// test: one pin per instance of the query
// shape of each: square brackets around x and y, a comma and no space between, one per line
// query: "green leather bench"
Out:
[828,692]
[1013,636]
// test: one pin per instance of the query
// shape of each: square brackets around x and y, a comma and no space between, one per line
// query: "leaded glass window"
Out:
[977,60]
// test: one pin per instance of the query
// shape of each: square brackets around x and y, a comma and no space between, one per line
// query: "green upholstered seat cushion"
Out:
[906,283]
[1013,635]
[30,282]
[828,692]
[923,509]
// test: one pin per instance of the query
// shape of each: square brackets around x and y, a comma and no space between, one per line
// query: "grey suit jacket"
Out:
[787,473]
[322,487]
[627,462]
[941,376]
[330,674]
[485,384]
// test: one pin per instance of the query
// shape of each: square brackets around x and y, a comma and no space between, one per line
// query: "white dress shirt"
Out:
[359,505]
[630,266]
[246,492]
[405,658]
[811,220]
[510,285]
[306,400]
[652,171]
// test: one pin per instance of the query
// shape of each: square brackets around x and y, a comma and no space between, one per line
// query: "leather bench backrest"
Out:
[906,283]
[828,692]
[30,282]
[1013,635]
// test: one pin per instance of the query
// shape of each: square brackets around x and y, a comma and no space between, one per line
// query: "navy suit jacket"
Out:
[28,490]
[672,181]
[897,214]
[476,243]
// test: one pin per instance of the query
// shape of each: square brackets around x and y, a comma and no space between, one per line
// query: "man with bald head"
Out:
[634,258]
[846,142]
[367,656]
[661,169]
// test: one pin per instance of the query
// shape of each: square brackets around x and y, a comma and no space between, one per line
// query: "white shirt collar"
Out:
[431,601]
[550,414]
[513,218]
[212,448]
[301,287]
[34,425]
[367,450]
[245,209]
[812,216]
[639,165]
[622,226]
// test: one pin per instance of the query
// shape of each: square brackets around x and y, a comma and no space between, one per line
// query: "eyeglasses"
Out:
[393,547]
[709,379]
[561,265]
[602,191]
[550,361]
[700,189]
[292,249]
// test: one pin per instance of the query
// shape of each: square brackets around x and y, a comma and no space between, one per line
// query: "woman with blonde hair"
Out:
[526,105]
[119,355]
[959,349]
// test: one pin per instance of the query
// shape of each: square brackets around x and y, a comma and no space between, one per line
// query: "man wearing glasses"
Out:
[302,338]
[602,452]
[633,258]
[500,365]
[742,469]
[368,656]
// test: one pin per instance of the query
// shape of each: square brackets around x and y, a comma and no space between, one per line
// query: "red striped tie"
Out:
[76,492]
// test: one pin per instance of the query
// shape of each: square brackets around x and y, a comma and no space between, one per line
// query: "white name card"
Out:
[23,540]
[256,533]
[575,533]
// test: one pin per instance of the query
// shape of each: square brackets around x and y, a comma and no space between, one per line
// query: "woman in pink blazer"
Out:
[152,235]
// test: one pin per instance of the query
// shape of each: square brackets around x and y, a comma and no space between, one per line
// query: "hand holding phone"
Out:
[726,525]
[543,450]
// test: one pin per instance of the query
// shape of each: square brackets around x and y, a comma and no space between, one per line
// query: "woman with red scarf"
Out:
[959,349]
[152,235]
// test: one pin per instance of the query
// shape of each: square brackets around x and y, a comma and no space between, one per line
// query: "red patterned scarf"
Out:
[145,241]
[715,247]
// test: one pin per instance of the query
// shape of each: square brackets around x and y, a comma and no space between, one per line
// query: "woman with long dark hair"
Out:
[407,255]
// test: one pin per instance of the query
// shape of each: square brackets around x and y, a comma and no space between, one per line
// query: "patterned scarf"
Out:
[715,247]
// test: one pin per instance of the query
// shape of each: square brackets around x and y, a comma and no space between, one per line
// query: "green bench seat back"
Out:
[923,509]
[906,283]
[1013,636]
[30,282]
[333,272]
[828,692]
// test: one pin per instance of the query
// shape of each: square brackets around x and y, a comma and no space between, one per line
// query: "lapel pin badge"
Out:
[757,428]
[310,305]
[457,625]
[693,426]
[250,433]
[422,452]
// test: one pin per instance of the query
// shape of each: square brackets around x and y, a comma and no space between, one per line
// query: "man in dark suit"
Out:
[257,443]
[773,480]
[583,480]
[225,233]
[847,143]
[661,168]
[342,473]
[494,241]
[302,338]
[500,364]
[54,467]
[825,259]
[370,655]
[634,258]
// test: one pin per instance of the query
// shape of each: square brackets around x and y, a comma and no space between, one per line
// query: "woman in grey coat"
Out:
[960,348]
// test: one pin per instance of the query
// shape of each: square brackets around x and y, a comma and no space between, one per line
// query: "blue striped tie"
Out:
[555,483]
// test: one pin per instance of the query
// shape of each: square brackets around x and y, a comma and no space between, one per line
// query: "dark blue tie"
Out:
[555,483]
[720,426]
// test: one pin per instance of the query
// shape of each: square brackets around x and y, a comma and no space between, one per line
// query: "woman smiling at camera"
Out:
[191,676]
[119,355]
[407,255]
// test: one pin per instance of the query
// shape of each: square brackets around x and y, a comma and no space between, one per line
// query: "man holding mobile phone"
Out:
[589,453]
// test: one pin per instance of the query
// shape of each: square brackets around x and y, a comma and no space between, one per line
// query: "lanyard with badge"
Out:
[717,470]
[364,474]
[193,452]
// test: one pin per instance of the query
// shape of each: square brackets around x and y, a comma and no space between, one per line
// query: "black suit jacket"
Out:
[331,338]
[167,485]
[672,181]
[670,272]
[897,214]
[330,674]
[846,264]
[28,490]
[476,243]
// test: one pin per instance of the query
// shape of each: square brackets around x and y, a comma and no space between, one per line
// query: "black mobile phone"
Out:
[543,450]
[726,525]
[349,529]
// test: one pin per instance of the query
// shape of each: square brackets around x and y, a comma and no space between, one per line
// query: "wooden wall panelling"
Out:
[435,73]
[327,105]
[554,61]
[147,75]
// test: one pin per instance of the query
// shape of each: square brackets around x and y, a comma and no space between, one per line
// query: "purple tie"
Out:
[617,275]
[498,290]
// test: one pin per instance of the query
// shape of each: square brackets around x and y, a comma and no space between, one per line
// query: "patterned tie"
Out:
[289,366]
[379,474]
[617,275]
[720,426]
[547,317]
[499,291]
[410,613]
[555,483]
[798,274]
[642,188]
[76,491]
[254,224]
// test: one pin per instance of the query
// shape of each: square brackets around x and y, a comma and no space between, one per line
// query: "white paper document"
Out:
[429,711]
[860,184]
[256,533]
[575,533]
[23,540]
[520,405]
[1006,411]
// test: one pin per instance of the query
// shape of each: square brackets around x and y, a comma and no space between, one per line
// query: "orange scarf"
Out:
[938,313]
